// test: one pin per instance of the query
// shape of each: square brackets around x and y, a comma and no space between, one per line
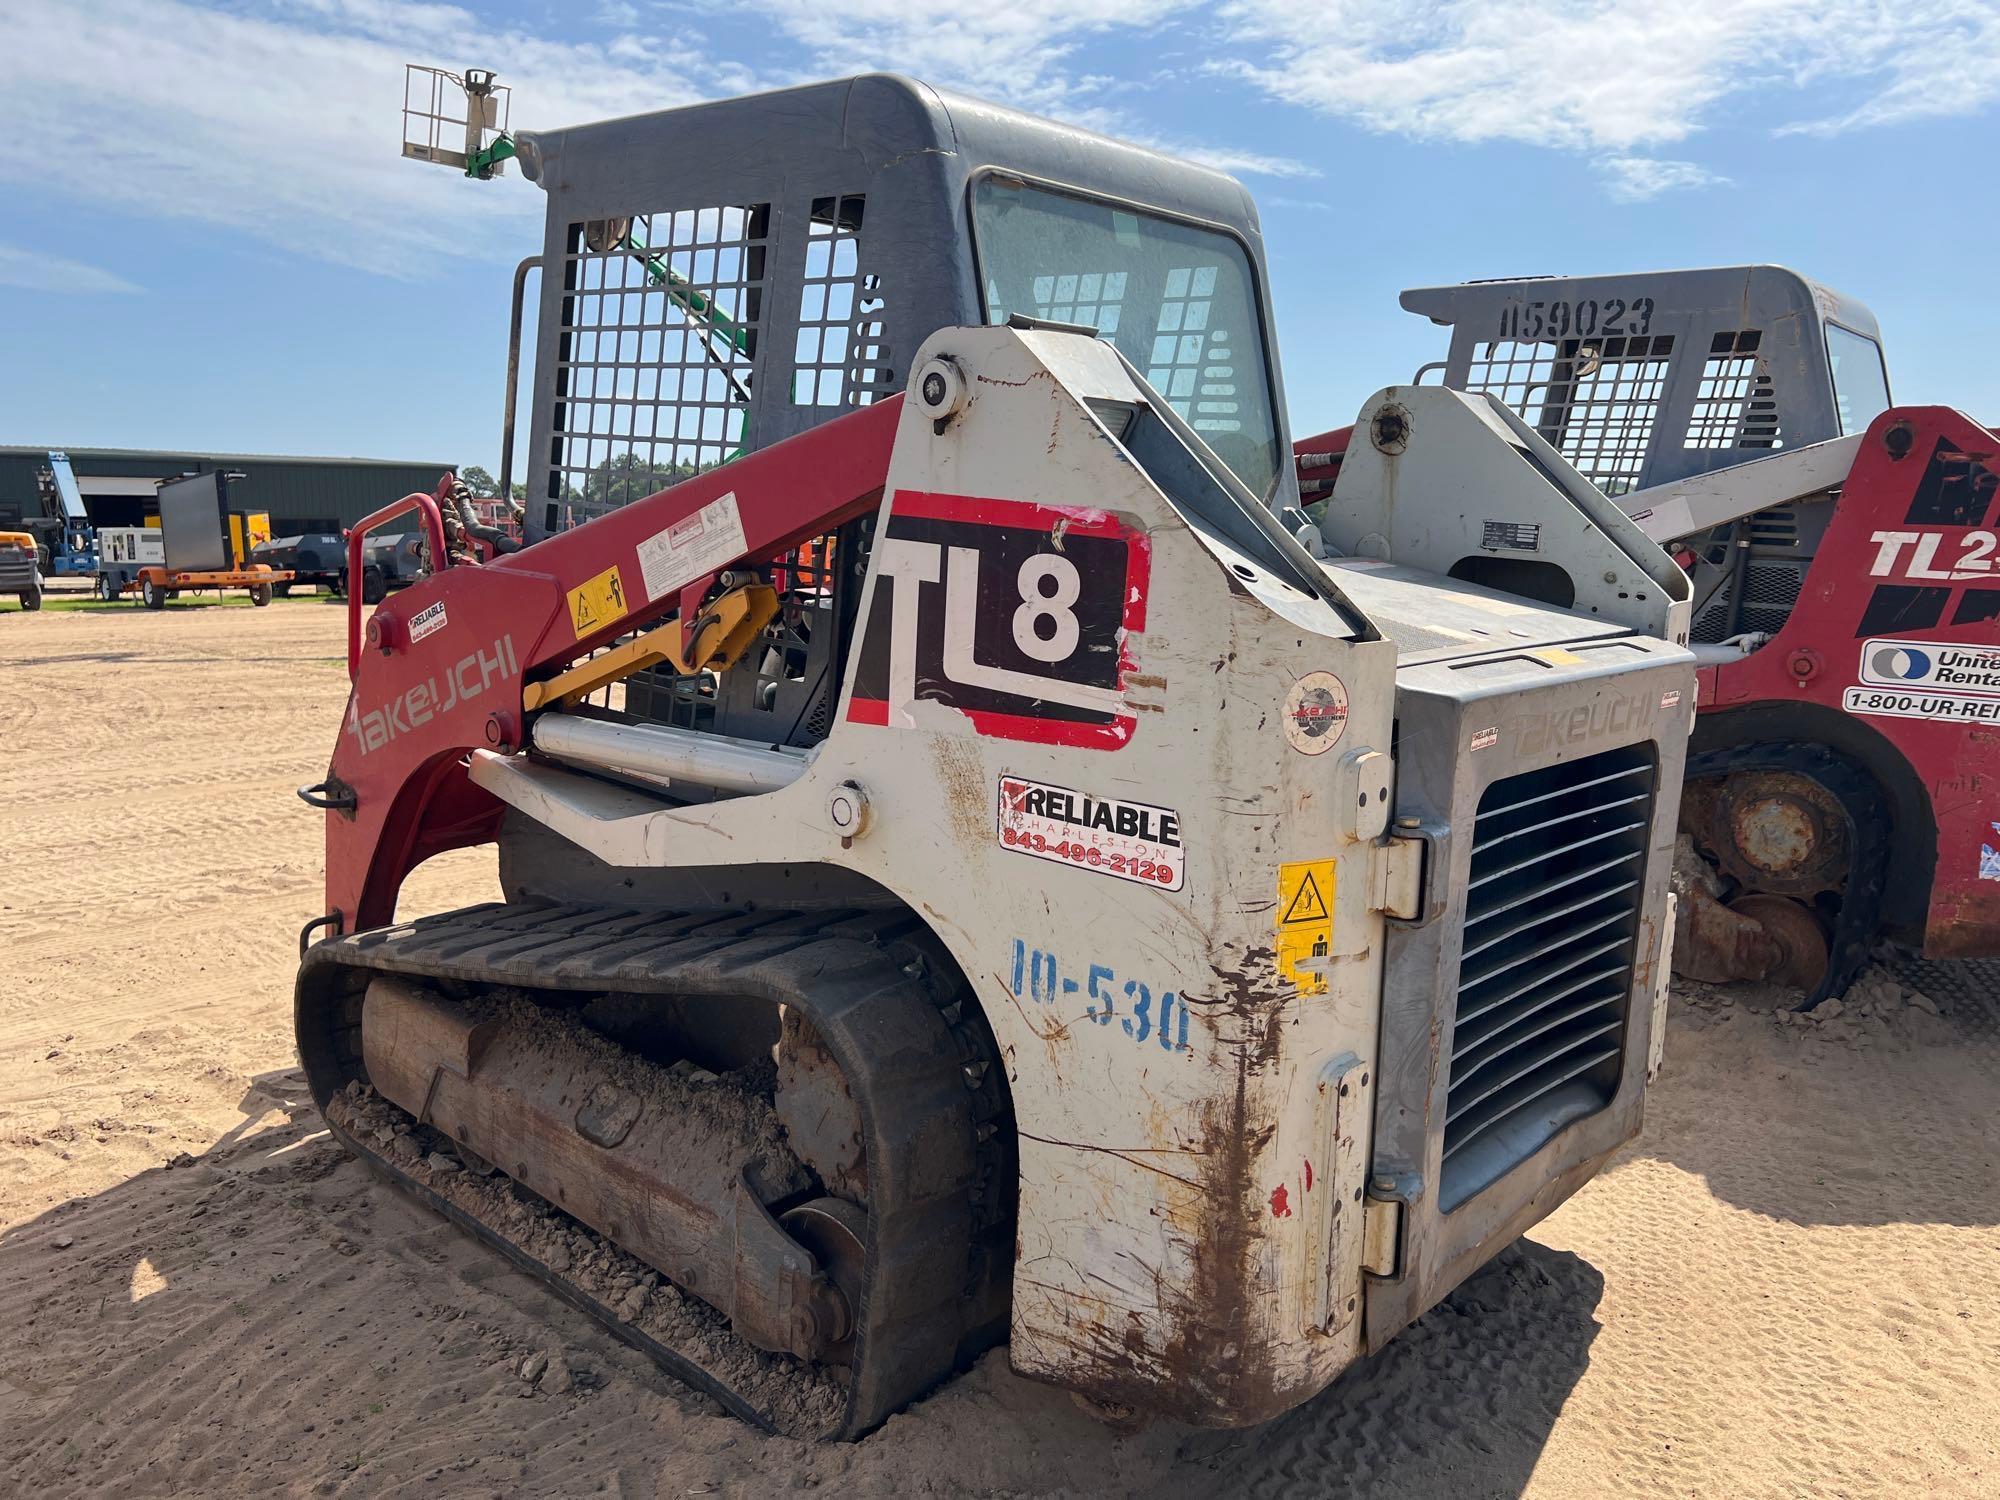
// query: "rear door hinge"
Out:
[1381,1234]
[1396,878]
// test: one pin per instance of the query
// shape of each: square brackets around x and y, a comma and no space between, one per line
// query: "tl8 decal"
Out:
[1015,614]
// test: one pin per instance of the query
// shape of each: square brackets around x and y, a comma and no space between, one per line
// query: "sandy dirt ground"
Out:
[1789,1286]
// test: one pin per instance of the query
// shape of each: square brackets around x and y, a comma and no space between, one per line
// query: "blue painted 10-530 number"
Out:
[1162,1017]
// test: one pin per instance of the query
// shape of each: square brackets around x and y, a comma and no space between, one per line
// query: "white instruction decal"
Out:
[1131,840]
[692,547]
[425,621]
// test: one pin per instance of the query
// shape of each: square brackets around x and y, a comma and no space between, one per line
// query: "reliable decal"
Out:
[1017,615]
[1486,738]
[1316,713]
[467,678]
[1131,840]
[1305,922]
[596,602]
[691,548]
[1931,664]
[1670,699]
[427,621]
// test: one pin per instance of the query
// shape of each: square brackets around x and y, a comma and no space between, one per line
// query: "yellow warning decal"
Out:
[1555,656]
[1305,921]
[596,602]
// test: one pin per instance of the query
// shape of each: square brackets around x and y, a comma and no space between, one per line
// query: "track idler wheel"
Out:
[1794,942]
[837,1234]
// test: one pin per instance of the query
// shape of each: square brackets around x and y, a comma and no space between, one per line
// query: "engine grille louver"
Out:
[1545,971]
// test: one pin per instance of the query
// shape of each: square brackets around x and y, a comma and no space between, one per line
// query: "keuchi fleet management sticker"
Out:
[1130,840]
[1316,713]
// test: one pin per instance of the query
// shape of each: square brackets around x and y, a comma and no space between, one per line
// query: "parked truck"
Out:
[19,574]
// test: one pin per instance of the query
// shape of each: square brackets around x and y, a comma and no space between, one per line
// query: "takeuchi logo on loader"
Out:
[466,678]
[1316,713]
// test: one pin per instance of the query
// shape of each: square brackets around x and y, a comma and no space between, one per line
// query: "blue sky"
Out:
[208,240]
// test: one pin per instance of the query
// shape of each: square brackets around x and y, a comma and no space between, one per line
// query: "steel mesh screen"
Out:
[1735,404]
[657,343]
[841,354]
[1595,401]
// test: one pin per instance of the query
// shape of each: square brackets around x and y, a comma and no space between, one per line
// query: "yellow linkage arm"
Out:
[722,633]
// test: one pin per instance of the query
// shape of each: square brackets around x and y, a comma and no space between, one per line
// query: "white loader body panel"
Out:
[1151,827]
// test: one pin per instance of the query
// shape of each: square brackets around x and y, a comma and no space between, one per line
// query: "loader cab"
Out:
[1646,379]
[721,277]
[1651,378]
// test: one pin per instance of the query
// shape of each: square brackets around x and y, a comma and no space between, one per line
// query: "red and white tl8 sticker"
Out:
[1018,615]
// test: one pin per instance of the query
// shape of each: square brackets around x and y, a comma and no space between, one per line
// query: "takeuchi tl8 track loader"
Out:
[1846,596]
[970,873]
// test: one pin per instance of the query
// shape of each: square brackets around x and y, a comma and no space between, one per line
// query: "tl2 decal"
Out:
[466,678]
[1914,554]
[1017,615]
[1139,1012]
[1942,566]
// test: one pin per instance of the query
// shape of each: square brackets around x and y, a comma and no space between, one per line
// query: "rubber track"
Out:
[892,1012]
[1867,820]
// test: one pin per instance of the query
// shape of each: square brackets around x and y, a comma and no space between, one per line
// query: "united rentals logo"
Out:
[465,679]
[1931,665]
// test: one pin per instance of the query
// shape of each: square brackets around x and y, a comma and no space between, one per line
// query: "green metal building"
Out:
[301,494]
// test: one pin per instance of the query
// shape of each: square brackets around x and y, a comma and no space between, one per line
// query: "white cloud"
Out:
[1634,179]
[39,271]
[279,119]
[282,121]
[1244,163]
[1019,51]
[1611,76]
[1939,62]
